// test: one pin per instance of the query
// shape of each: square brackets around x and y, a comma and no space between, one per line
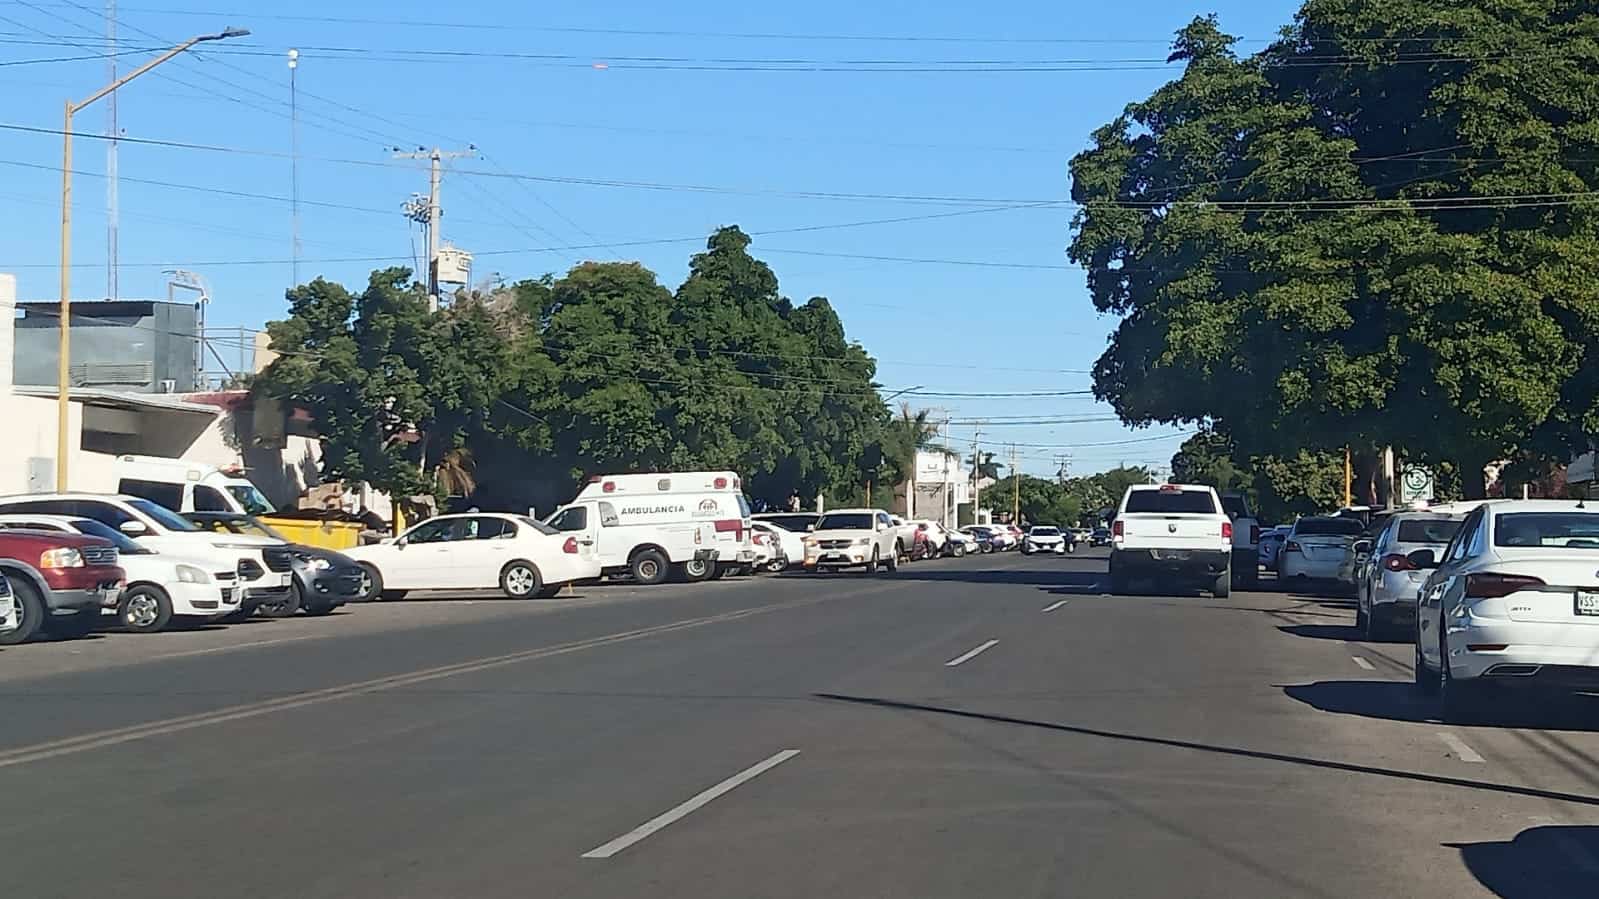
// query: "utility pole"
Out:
[977,472]
[111,205]
[294,171]
[1016,489]
[429,213]
[1349,479]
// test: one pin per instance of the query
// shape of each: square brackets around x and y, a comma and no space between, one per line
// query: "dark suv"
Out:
[57,580]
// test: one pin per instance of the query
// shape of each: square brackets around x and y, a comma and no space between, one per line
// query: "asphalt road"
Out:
[980,727]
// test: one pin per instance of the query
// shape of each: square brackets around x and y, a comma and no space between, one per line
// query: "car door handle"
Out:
[586,542]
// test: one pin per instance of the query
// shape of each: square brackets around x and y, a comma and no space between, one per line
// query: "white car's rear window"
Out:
[1548,530]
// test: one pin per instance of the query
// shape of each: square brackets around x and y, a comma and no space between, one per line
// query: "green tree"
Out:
[1279,239]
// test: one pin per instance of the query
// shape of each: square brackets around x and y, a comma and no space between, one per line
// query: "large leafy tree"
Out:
[1285,239]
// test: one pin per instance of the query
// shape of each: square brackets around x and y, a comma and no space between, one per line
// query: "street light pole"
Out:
[64,326]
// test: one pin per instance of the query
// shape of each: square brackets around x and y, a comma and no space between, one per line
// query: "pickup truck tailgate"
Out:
[1151,530]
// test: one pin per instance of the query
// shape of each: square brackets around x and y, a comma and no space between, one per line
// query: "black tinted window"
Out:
[492,528]
[1234,507]
[105,513]
[207,499]
[573,519]
[37,507]
[169,495]
[1171,502]
[1330,527]
[1439,531]
[1547,530]
[859,521]
[794,523]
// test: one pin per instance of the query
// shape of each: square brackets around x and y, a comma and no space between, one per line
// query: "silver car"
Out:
[1387,581]
[1512,602]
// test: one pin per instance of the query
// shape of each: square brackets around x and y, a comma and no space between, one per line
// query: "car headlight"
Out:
[317,563]
[863,541]
[188,574]
[61,557]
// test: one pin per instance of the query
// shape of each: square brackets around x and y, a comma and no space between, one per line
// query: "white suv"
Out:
[264,565]
[853,538]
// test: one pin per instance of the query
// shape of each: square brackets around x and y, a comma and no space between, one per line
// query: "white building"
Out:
[942,484]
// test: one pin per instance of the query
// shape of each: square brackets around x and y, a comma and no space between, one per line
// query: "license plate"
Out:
[1587,602]
[1173,555]
[836,557]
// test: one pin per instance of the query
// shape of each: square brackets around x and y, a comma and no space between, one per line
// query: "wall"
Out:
[28,452]
[124,345]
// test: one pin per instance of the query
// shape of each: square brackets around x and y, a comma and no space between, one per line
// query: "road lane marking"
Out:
[1053,607]
[101,739]
[687,808]
[1462,751]
[968,656]
[1363,663]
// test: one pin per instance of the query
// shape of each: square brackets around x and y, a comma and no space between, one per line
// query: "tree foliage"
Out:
[1304,246]
[515,394]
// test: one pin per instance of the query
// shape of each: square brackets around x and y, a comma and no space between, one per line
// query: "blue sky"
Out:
[1017,324]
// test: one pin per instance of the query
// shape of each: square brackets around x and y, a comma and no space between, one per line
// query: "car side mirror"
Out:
[1363,546]
[133,528]
[1423,558]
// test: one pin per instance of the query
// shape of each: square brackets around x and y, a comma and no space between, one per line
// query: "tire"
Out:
[144,609]
[27,607]
[648,567]
[1426,679]
[776,566]
[987,548]
[872,566]
[899,551]
[236,617]
[959,550]
[318,609]
[719,571]
[893,565]
[520,579]
[284,608]
[696,570]
[1223,585]
[1460,702]
[371,582]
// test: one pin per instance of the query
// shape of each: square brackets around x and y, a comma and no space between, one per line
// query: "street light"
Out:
[64,326]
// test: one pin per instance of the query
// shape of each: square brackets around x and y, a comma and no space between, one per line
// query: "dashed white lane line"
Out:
[1462,751]
[687,808]
[968,656]
[1053,606]
[1363,663]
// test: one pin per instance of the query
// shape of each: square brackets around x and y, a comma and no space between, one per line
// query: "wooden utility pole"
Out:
[1016,489]
[1349,479]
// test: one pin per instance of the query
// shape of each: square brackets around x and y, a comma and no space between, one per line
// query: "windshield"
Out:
[1172,502]
[539,526]
[846,521]
[1045,532]
[163,516]
[1329,527]
[125,544]
[1547,530]
[798,524]
[251,499]
[1428,530]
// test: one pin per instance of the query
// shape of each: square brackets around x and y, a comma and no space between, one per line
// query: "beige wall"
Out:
[28,450]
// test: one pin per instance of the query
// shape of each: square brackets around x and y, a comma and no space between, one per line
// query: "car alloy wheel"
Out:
[142,611]
[520,580]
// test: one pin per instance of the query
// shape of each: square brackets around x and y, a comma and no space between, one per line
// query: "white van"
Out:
[189,486]
[694,524]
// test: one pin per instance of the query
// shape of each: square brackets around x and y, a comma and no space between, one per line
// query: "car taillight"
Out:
[1226,530]
[1489,585]
[1291,547]
[1116,529]
[1399,562]
[1254,533]
[570,546]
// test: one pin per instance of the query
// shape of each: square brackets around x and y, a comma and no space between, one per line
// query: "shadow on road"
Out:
[1322,631]
[1217,749]
[1399,701]
[1540,863]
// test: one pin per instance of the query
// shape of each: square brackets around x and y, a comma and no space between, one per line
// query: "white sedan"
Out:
[521,557]
[161,585]
[1512,602]
[1043,539]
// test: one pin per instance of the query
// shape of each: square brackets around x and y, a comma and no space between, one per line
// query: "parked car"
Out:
[159,586]
[905,532]
[521,557]
[1099,537]
[323,579]
[853,538]
[8,610]
[1271,544]
[983,536]
[1002,537]
[1387,581]
[59,581]
[1320,548]
[264,565]
[1043,538]
[791,528]
[958,543]
[688,523]
[768,543]
[1175,534]
[1512,602]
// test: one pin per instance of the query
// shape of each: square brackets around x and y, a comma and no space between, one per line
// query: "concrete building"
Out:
[138,346]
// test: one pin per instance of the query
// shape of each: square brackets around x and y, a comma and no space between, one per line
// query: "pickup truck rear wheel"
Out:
[27,610]
[647,567]
[1223,585]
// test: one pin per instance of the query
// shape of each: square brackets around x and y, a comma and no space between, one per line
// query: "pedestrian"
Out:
[794,501]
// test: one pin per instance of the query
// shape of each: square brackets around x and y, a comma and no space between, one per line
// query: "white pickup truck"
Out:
[1173,534]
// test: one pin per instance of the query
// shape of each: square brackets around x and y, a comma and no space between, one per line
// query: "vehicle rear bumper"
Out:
[1573,661]
[1185,563]
[1295,565]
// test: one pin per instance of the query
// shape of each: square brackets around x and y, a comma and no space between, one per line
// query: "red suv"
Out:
[57,580]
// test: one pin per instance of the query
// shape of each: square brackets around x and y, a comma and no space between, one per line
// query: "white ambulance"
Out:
[691,524]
